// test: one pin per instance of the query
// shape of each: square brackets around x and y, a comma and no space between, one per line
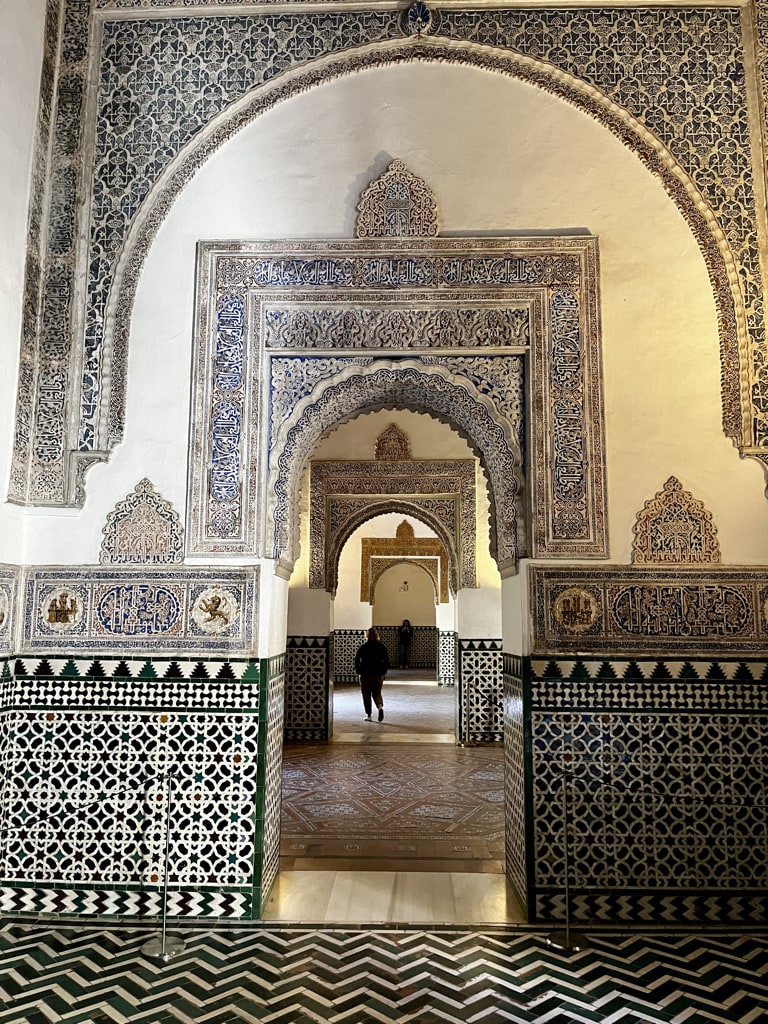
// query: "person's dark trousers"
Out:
[371,690]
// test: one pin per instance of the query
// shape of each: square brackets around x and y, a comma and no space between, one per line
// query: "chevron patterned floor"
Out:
[284,976]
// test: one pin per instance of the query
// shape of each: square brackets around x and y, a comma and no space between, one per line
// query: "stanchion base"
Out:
[154,947]
[567,942]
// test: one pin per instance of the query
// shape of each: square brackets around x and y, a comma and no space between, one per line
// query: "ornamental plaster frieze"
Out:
[403,384]
[236,375]
[439,516]
[622,66]
[639,610]
[145,609]
[440,492]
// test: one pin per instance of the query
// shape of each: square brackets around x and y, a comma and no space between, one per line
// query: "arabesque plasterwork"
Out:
[398,204]
[347,514]
[480,392]
[342,492]
[377,554]
[675,528]
[142,529]
[643,611]
[622,66]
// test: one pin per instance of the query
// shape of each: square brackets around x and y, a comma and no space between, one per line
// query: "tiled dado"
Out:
[664,769]
[308,703]
[480,717]
[93,749]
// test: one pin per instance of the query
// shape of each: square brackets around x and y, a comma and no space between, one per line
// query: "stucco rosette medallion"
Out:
[61,610]
[576,610]
[215,610]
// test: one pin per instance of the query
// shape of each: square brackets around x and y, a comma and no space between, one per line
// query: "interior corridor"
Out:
[392,821]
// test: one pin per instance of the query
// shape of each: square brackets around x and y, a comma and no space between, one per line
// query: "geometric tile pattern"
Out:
[308,704]
[447,658]
[665,777]
[430,792]
[481,707]
[146,609]
[515,813]
[85,759]
[423,646]
[345,645]
[267,823]
[371,976]
[641,610]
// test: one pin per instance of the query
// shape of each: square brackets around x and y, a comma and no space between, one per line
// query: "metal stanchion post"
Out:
[165,947]
[565,940]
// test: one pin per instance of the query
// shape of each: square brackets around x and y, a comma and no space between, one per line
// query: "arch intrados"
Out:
[394,507]
[505,484]
[718,256]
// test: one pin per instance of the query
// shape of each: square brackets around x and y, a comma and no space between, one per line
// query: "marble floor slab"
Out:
[392,897]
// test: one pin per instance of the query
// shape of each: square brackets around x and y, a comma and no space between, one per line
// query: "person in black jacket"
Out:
[372,664]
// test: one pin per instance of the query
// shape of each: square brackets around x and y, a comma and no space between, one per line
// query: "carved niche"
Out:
[143,529]
[674,528]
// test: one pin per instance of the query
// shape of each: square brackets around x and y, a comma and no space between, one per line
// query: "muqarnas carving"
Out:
[397,205]
[674,528]
[144,529]
[381,553]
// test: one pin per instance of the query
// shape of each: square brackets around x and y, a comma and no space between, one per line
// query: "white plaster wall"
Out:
[501,157]
[392,604]
[21,49]
[349,611]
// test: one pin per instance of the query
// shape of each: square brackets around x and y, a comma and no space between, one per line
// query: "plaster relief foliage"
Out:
[669,82]
[392,445]
[346,514]
[397,205]
[440,493]
[545,288]
[674,527]
[378,554]
[644,611]
[144,528]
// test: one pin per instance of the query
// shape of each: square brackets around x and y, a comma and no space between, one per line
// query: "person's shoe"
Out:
[381,714]
[367,718]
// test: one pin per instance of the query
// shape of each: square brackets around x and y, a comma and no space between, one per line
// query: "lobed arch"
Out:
[384,507]
[721,264]
[402,384]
